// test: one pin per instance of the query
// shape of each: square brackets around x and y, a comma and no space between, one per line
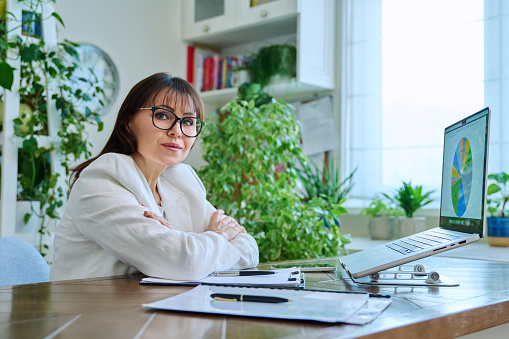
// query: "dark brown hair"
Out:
[143,94]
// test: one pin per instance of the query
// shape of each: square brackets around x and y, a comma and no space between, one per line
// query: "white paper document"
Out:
[282,277]
[331,307]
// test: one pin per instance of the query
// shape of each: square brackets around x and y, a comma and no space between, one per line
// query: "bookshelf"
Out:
[239,28]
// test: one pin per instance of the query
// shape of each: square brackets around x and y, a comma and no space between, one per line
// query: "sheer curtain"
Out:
[410,69]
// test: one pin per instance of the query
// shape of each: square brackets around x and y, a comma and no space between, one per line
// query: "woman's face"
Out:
[158,147]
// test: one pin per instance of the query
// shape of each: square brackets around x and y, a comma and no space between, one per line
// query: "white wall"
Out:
[142,38]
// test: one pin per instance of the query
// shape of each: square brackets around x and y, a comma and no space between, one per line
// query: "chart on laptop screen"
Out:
[463,173]
[461,178]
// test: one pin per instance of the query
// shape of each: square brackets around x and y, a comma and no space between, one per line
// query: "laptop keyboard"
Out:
[420,241]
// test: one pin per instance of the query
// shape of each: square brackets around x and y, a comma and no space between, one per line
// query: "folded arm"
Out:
[108,214]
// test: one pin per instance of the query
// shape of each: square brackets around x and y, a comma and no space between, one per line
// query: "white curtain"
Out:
[410,69]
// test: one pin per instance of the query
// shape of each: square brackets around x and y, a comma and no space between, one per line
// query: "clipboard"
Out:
[288,277]
[357,308]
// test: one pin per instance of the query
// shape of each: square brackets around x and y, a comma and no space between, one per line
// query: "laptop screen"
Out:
[464,168]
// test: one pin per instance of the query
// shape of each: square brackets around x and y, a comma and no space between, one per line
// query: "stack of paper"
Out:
[331,307]
[284,277]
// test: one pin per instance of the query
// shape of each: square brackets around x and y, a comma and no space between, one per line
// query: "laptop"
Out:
[462,203]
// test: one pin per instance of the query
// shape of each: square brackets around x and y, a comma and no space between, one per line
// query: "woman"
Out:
[136,208]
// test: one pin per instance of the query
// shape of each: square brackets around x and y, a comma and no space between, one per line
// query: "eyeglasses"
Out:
[165,119]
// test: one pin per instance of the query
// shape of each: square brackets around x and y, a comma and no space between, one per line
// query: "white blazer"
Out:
[103,231]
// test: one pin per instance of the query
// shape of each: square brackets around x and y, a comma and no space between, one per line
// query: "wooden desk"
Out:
[111,308]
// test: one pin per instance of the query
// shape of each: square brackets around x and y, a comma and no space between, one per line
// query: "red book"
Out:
[190,64]
[208,71]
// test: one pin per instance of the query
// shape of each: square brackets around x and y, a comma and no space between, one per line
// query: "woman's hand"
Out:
[152,215]
[225,225]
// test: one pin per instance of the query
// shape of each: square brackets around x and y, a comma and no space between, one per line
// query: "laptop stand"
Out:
[407,275]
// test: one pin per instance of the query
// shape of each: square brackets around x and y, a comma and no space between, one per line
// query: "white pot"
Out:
[22,208]
[409,226]
[382,228]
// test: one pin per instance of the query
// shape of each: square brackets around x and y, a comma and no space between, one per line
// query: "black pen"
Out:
[241,273]
[255,298]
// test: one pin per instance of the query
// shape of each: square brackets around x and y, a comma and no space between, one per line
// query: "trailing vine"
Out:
[48,76]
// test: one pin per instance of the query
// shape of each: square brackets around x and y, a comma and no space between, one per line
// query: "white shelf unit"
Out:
[9,143]
[241,29]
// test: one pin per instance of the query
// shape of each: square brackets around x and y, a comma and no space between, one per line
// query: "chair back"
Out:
[21,263]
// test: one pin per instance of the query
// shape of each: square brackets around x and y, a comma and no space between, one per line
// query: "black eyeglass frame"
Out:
[153,109]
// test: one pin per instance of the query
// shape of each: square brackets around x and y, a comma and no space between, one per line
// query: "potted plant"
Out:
[324,184]
[47,78]
[272,61]
[383,220]
[498,221]
[252,148]
[410,199]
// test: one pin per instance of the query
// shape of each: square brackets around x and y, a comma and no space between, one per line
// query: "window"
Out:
[411,69]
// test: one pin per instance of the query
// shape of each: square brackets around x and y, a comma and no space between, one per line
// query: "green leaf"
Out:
[6,75]
[493,188]
[29,53]
[57,16]
[30,145]
[72,51]
[26,218]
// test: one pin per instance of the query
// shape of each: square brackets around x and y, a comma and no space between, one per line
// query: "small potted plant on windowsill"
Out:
[384,218]
[498,221]
[410,199]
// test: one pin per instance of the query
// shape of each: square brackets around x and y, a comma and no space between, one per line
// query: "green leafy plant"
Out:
[500,190]
[379,207]
[47,77]
[325,184]
[252,150]
[410,199]
[271,61]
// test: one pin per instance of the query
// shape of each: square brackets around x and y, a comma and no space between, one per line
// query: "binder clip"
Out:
[417,272]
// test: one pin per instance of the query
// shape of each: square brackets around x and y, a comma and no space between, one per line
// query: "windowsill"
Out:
[480,250]
[354,206]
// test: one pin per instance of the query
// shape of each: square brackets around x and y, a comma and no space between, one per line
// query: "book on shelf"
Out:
[195,63]
[209,70]
[190,64]
[208,74]
[224,71]
[216,79]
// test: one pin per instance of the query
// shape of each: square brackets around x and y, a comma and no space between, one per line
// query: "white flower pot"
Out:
[382,228]
[409,226]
